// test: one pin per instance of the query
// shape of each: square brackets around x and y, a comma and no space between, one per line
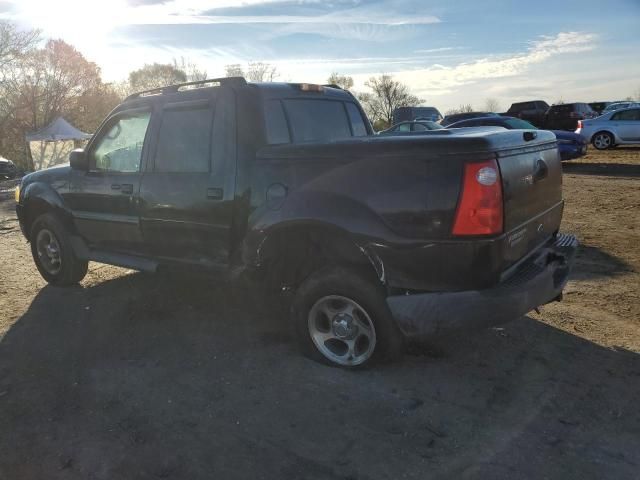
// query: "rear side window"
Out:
[317,120]
[357,122]
[184,141]
[627,115]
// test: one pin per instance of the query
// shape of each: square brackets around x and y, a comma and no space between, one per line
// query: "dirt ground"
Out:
[135,376]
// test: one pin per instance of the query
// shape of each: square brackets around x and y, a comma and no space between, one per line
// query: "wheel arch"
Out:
[39,199]
[287,254]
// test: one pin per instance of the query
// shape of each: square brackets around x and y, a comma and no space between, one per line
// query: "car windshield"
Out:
[516,123]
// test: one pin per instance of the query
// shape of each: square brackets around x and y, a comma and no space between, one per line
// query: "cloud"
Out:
[439,79]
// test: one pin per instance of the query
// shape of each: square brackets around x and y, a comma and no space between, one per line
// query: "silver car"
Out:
[621,127]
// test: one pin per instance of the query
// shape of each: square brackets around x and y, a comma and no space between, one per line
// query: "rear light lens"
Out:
[579,123]
[480,208]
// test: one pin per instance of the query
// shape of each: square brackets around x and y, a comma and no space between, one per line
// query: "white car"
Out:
[621,127]
[612,107]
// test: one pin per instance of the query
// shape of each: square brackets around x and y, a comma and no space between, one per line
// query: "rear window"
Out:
[566,108]
[357,122]
[516,123]
[277,129]
[317,120]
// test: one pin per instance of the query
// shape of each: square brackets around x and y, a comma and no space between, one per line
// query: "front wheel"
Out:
[602,140]
[52,252]
[341,319]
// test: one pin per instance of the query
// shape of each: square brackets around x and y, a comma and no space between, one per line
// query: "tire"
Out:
[602,140]
[341,319]
[52,252]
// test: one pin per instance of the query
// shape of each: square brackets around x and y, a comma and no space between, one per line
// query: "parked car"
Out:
[532,111]
[570,145]
[565,116]
[408,114]
[368,239]
[411,127]
[612,107]
[7,168]
[598,107]
[620,127]
[456,117]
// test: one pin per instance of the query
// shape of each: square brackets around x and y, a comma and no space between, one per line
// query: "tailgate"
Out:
[532,195]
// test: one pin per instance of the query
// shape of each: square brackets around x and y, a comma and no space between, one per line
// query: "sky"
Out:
[449,53]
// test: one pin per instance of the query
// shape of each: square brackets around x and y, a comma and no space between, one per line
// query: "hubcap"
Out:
[342,330]
[48,250]
[602,141]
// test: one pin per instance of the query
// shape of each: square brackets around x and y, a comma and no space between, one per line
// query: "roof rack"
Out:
[224,81]
[332,85]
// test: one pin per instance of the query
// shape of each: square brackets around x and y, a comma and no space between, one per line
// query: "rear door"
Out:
[627,124]
[186,195]
[103,199]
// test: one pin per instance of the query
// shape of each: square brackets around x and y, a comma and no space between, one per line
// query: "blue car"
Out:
[570,145]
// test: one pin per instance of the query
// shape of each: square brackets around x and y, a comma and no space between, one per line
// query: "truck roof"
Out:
[202,89]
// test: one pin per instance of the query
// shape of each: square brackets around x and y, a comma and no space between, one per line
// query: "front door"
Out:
[103,199]
[186,195]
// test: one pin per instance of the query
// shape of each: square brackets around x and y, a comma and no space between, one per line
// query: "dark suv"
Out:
[532,111]
[565,116]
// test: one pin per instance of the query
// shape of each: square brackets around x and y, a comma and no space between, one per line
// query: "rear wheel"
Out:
[602,140]
[52,252]
[341,319]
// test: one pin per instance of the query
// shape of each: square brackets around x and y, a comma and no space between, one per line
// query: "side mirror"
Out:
[78,159]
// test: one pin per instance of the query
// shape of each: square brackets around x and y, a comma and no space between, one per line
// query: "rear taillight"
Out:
[579,123]
[479,209]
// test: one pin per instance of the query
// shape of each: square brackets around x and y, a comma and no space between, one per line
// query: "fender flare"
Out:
[39,197]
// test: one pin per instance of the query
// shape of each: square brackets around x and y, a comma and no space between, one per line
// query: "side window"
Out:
[120,148]
[317,120]
[418,127]
[184,140]
[626,115]
[404,127]
[357,122]
[277,130]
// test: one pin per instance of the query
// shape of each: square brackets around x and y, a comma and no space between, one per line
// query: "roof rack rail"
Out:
[332,85]
[224,81]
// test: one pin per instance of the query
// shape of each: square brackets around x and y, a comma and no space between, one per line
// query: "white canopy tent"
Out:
[51,144]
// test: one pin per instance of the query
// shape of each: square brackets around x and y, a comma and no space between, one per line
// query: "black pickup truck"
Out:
[370,239]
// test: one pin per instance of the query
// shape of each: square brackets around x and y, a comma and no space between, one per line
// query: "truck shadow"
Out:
[171,377]
[593,262]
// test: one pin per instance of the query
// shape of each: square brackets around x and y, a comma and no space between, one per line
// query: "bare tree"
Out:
[14,44]
[386,95]
[262,72]
[191,70]
[491,105]
[234,70]
[53,81]
[461,109]
[156,75]
[343,81]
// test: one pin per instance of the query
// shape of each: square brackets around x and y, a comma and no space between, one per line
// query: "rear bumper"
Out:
[538,281]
